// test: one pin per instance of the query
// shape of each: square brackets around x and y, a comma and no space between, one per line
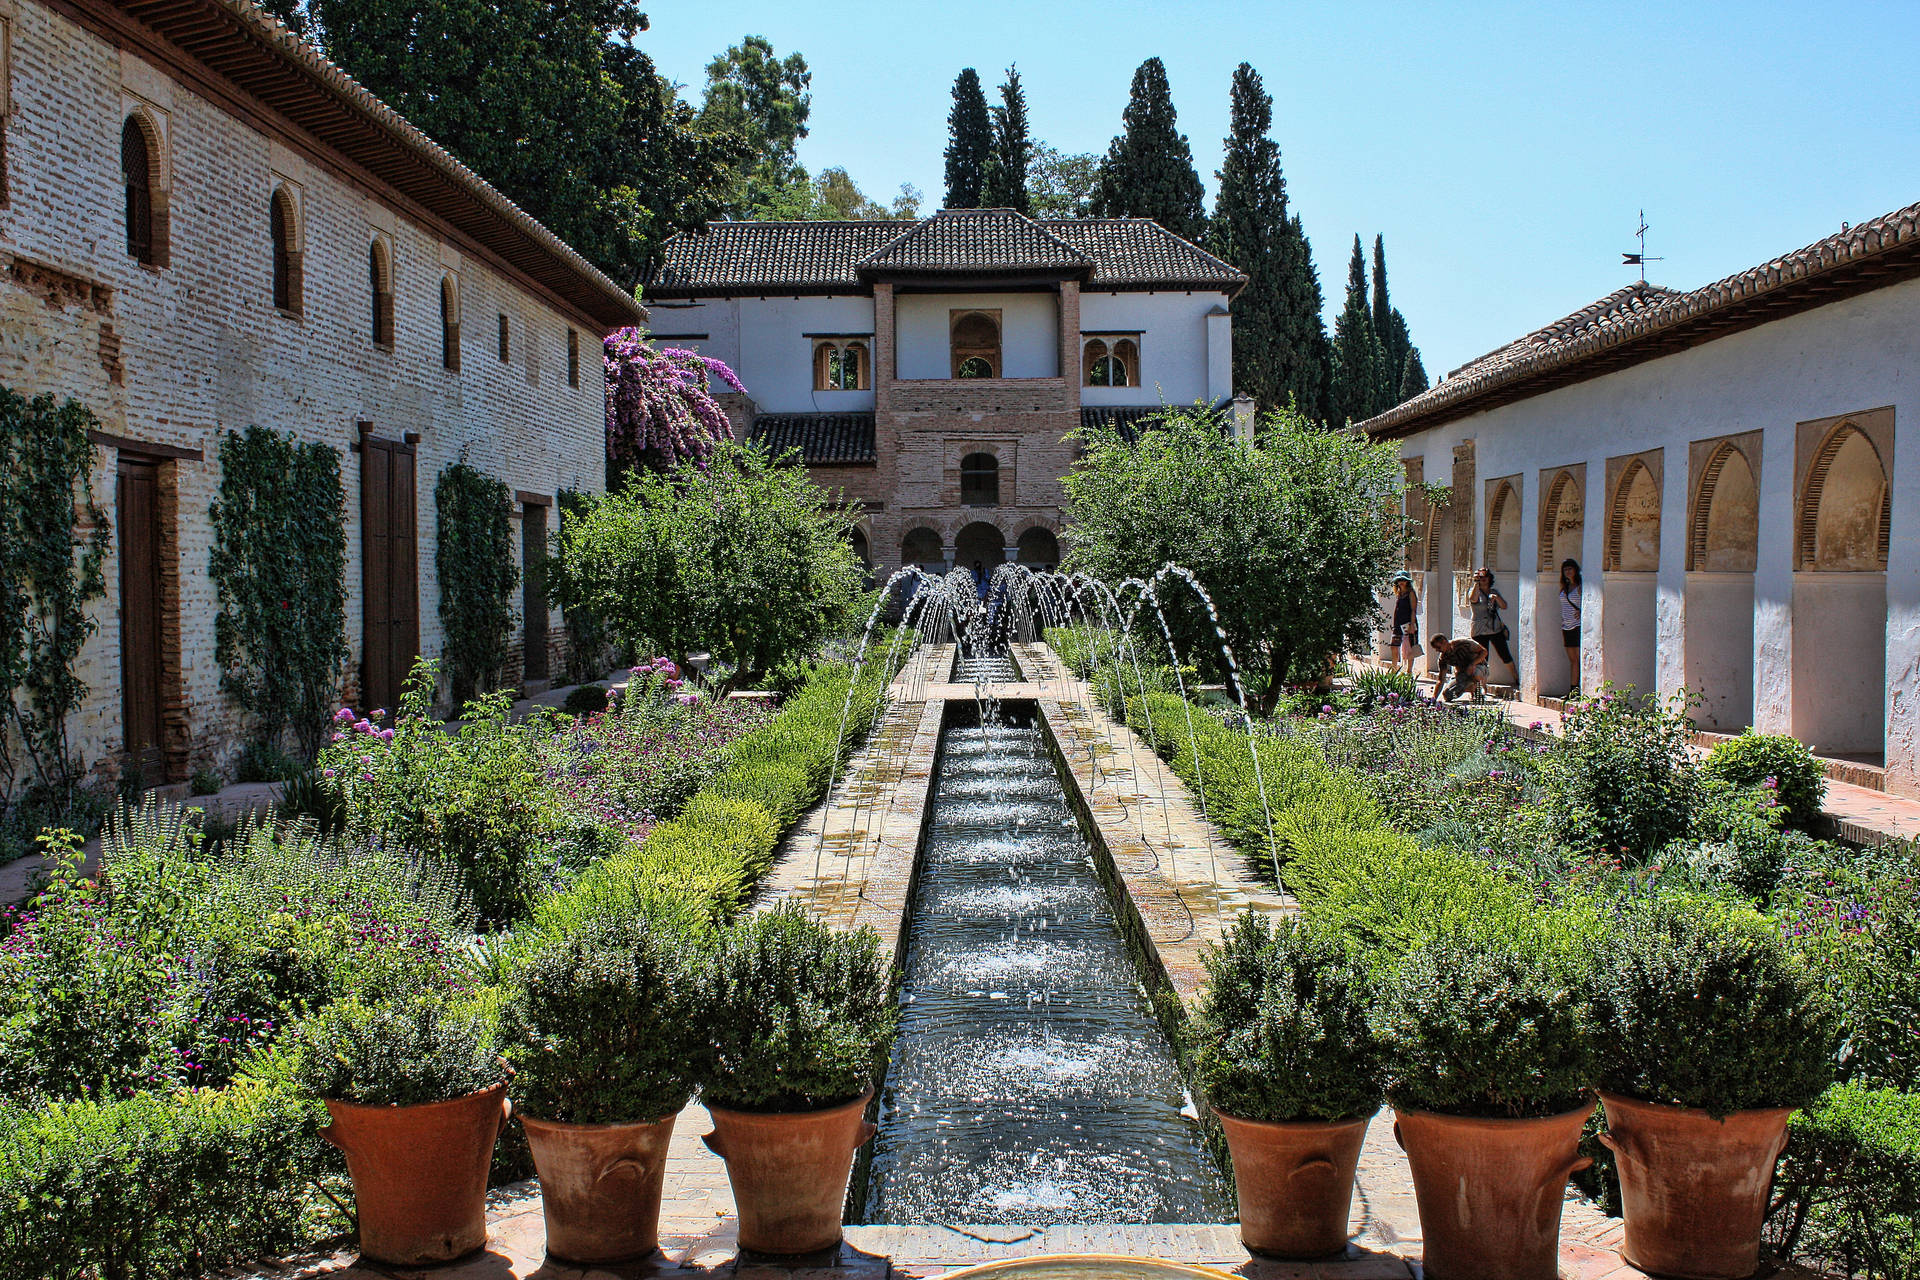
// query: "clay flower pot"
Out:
[420,1173]
[789,1172]
[600,1187]
[1693,1189]
[1295,1181]
[1489,1190]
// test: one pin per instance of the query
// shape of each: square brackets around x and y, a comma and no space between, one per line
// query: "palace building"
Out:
[205,226]
[1725,465]
[934,370]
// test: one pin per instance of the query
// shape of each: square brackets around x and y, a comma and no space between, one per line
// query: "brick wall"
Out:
[178,355]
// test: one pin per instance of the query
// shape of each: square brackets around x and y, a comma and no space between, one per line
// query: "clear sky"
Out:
[1504,150]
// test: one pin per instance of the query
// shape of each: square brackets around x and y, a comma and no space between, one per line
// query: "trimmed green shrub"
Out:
[602,1027]
[1622,781]
[1281,1033]
[1705,1007]
[586,700]
[175,1184]
[1848,1189]
[797,1014]
[396,1054]
[1783,765]
[1472,1026]
[783,790]
[205,782]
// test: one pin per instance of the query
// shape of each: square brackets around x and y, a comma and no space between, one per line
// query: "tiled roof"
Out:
[238,42]
[1129,420]
[823,439]
[732,258]
[976,240]
[1642,323]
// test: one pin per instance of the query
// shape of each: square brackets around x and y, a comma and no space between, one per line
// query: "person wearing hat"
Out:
[1406,621]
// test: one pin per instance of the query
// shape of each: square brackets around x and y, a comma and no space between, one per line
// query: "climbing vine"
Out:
[477,576]
[53,537]
[279,563]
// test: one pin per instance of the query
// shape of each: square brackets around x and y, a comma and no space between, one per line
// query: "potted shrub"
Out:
[1283,1053]
[599,1028]
[1716,1034]
[797,1017]
[417,1096]
[1486,1042]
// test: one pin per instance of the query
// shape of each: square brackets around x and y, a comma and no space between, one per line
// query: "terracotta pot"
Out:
[1295,1181]
[789,1172]
[1489,1190]
[1693,1189]
[600,1187]
[420,1173]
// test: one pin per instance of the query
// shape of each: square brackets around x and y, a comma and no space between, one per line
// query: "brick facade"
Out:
[169,358]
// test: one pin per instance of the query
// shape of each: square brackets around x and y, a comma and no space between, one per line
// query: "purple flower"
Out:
[326,773]
[366,777]
[343,715]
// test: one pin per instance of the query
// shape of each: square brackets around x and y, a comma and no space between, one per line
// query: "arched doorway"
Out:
[1723,545]
[1840,597]
[923,547]
[1563,528]
[1628,624]
[1039,550]
[979,549]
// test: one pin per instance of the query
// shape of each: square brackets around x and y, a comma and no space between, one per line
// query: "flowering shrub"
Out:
[660,406]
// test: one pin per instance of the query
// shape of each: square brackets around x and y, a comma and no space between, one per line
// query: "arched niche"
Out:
[1845,512]
[1633,526]
[1563,518]
[1502,545]
[1725,537]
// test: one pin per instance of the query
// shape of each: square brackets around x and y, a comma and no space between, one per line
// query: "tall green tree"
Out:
[550,103]
[1280,340]
[763,98]
[1006,185]
[1357,358]
[1413,376]
[1285,534]
[969,142]
[1148,171]
[1062,185]
[1390,327]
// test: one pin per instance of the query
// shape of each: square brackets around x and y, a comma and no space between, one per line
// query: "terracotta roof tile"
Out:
[1645,322]
[1135,253]
[823,439]
[976,240]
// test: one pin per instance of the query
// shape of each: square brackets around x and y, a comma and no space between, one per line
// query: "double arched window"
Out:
[1110,360]
[840,365]
[975,343]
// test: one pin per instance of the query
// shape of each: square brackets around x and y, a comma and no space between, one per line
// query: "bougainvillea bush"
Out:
[660,406]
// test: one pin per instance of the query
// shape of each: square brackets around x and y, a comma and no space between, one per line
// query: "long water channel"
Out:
[1030,1082]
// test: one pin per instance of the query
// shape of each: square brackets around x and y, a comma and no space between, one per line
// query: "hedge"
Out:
[701,867]
[174,1184]
[1849,1185]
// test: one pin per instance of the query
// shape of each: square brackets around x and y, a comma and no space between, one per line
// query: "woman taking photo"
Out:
[1406,621]
[1570,621]
[1489,628]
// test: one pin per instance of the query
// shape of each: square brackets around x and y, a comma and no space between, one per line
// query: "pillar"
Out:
[1670,582]
[1773,583]
[1526,589]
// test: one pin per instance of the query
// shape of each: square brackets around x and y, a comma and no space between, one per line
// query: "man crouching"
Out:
[1467,659]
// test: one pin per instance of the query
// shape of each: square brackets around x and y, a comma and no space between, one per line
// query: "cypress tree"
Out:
[1148,171]
[1006,184]
[1356,349]
[1413,376]
[969,142]
[1390,327]
[1279,337]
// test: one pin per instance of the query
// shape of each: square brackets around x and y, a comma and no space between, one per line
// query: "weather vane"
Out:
[1640,259]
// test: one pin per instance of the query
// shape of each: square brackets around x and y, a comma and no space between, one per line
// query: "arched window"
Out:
[858,537]
[840,366]
[146,217]
[979,480]
[380,288]
[975,343]
[289,284]
[449,325]
[1110,361]
[1092,354]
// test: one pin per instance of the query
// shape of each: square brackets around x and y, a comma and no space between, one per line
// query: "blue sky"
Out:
[1503,149]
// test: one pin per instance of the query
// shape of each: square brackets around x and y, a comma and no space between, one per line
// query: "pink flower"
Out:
[343,715]
[326,773]
[339,737]
[385,735]
[366,777]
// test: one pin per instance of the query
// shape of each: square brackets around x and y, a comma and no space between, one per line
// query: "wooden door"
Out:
[389,570]
[533,602]
[137,511]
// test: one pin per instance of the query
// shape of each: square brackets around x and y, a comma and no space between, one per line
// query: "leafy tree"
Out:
[834,196]
[969,142]
[1148,171]
[1280,341]
[1286,534]
[550,103]
[1060,185]
[1413,376]
[1006,184]
[1356,351]
[1390,327]
[762,98]
[744,557]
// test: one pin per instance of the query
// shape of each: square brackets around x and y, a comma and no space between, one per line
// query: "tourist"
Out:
[1406,621]
[1466,658]
[1570,621]
[1489,628]
[980,579]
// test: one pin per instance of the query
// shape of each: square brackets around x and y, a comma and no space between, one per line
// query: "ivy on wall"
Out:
[478,573]
[53,537]
[279,563]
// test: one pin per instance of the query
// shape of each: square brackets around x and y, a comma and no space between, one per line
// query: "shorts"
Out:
[1570,637]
